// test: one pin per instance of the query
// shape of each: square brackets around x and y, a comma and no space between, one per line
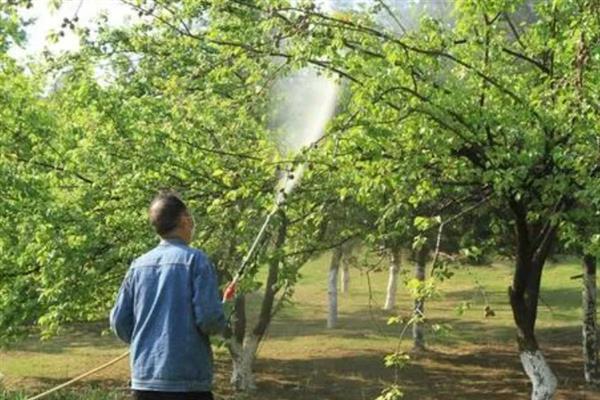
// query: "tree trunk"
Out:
[345,278]
[244,352]
[243,356]
[539,373]
[419,310]
[392,287]
[241,376]
[332,291]
[532,251]
[524,305]
[590,328]
[347,257]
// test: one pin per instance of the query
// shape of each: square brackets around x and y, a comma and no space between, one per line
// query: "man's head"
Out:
[170,217]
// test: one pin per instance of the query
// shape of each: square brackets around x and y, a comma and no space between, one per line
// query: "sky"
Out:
[47,20]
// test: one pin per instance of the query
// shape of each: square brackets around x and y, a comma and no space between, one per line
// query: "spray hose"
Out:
[80,377]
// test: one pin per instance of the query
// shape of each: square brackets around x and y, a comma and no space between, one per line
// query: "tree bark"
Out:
[243,356]
[539,373]
[270,290]
[419,307]
[240,376]
[392,287]
[332,291]
[533,247]
[590,327]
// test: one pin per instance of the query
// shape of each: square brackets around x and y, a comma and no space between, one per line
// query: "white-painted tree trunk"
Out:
[419,309]
[392,287]
[345,286]
[590,326]
[542,379]
[332,291]
[242,376]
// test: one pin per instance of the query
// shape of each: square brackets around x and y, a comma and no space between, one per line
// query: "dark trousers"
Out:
[150,395]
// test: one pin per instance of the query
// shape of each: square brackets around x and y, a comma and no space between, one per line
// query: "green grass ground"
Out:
[474,358]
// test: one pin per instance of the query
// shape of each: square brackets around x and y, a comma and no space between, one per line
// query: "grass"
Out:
[86,393]
[474,358]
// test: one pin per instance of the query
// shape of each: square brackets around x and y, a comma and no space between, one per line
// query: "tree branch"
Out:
[521,56]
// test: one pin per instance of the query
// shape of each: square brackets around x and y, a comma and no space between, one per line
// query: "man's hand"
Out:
[229,292]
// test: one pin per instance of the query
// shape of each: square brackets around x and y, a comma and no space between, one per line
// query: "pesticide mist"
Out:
[303,103]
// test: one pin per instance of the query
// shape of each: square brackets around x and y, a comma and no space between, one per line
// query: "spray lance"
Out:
[308,102]
[229,292]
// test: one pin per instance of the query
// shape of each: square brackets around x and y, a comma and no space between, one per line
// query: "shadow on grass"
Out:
[363,322]
[563,299]
[491,374]
[89,390]
[373,323]
[77,335]
[470,372]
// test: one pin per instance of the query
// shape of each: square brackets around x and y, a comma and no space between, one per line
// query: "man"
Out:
[167,307]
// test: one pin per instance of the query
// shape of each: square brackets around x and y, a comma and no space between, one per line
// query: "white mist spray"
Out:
[304,103]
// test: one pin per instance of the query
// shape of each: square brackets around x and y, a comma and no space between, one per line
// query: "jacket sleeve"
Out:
[208,309]
[121,316]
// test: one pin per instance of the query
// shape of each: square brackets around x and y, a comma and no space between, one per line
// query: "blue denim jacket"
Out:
[167,306]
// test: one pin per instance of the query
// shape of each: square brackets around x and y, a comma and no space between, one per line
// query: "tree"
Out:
[395,265]
[467,104]
[178,112]
[499,115]
[447,118]
[591,363]
[332,287]
[347,261]
[578,236]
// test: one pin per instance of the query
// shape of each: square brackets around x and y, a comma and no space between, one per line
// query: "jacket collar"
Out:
[172,241]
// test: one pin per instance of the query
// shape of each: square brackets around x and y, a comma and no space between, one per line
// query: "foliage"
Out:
[466,134]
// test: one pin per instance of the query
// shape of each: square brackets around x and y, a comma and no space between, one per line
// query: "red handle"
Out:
[229,292]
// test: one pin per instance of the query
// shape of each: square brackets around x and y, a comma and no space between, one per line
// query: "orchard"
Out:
[405,193]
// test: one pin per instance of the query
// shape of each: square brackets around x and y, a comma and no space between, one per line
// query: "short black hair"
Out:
[165,211]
